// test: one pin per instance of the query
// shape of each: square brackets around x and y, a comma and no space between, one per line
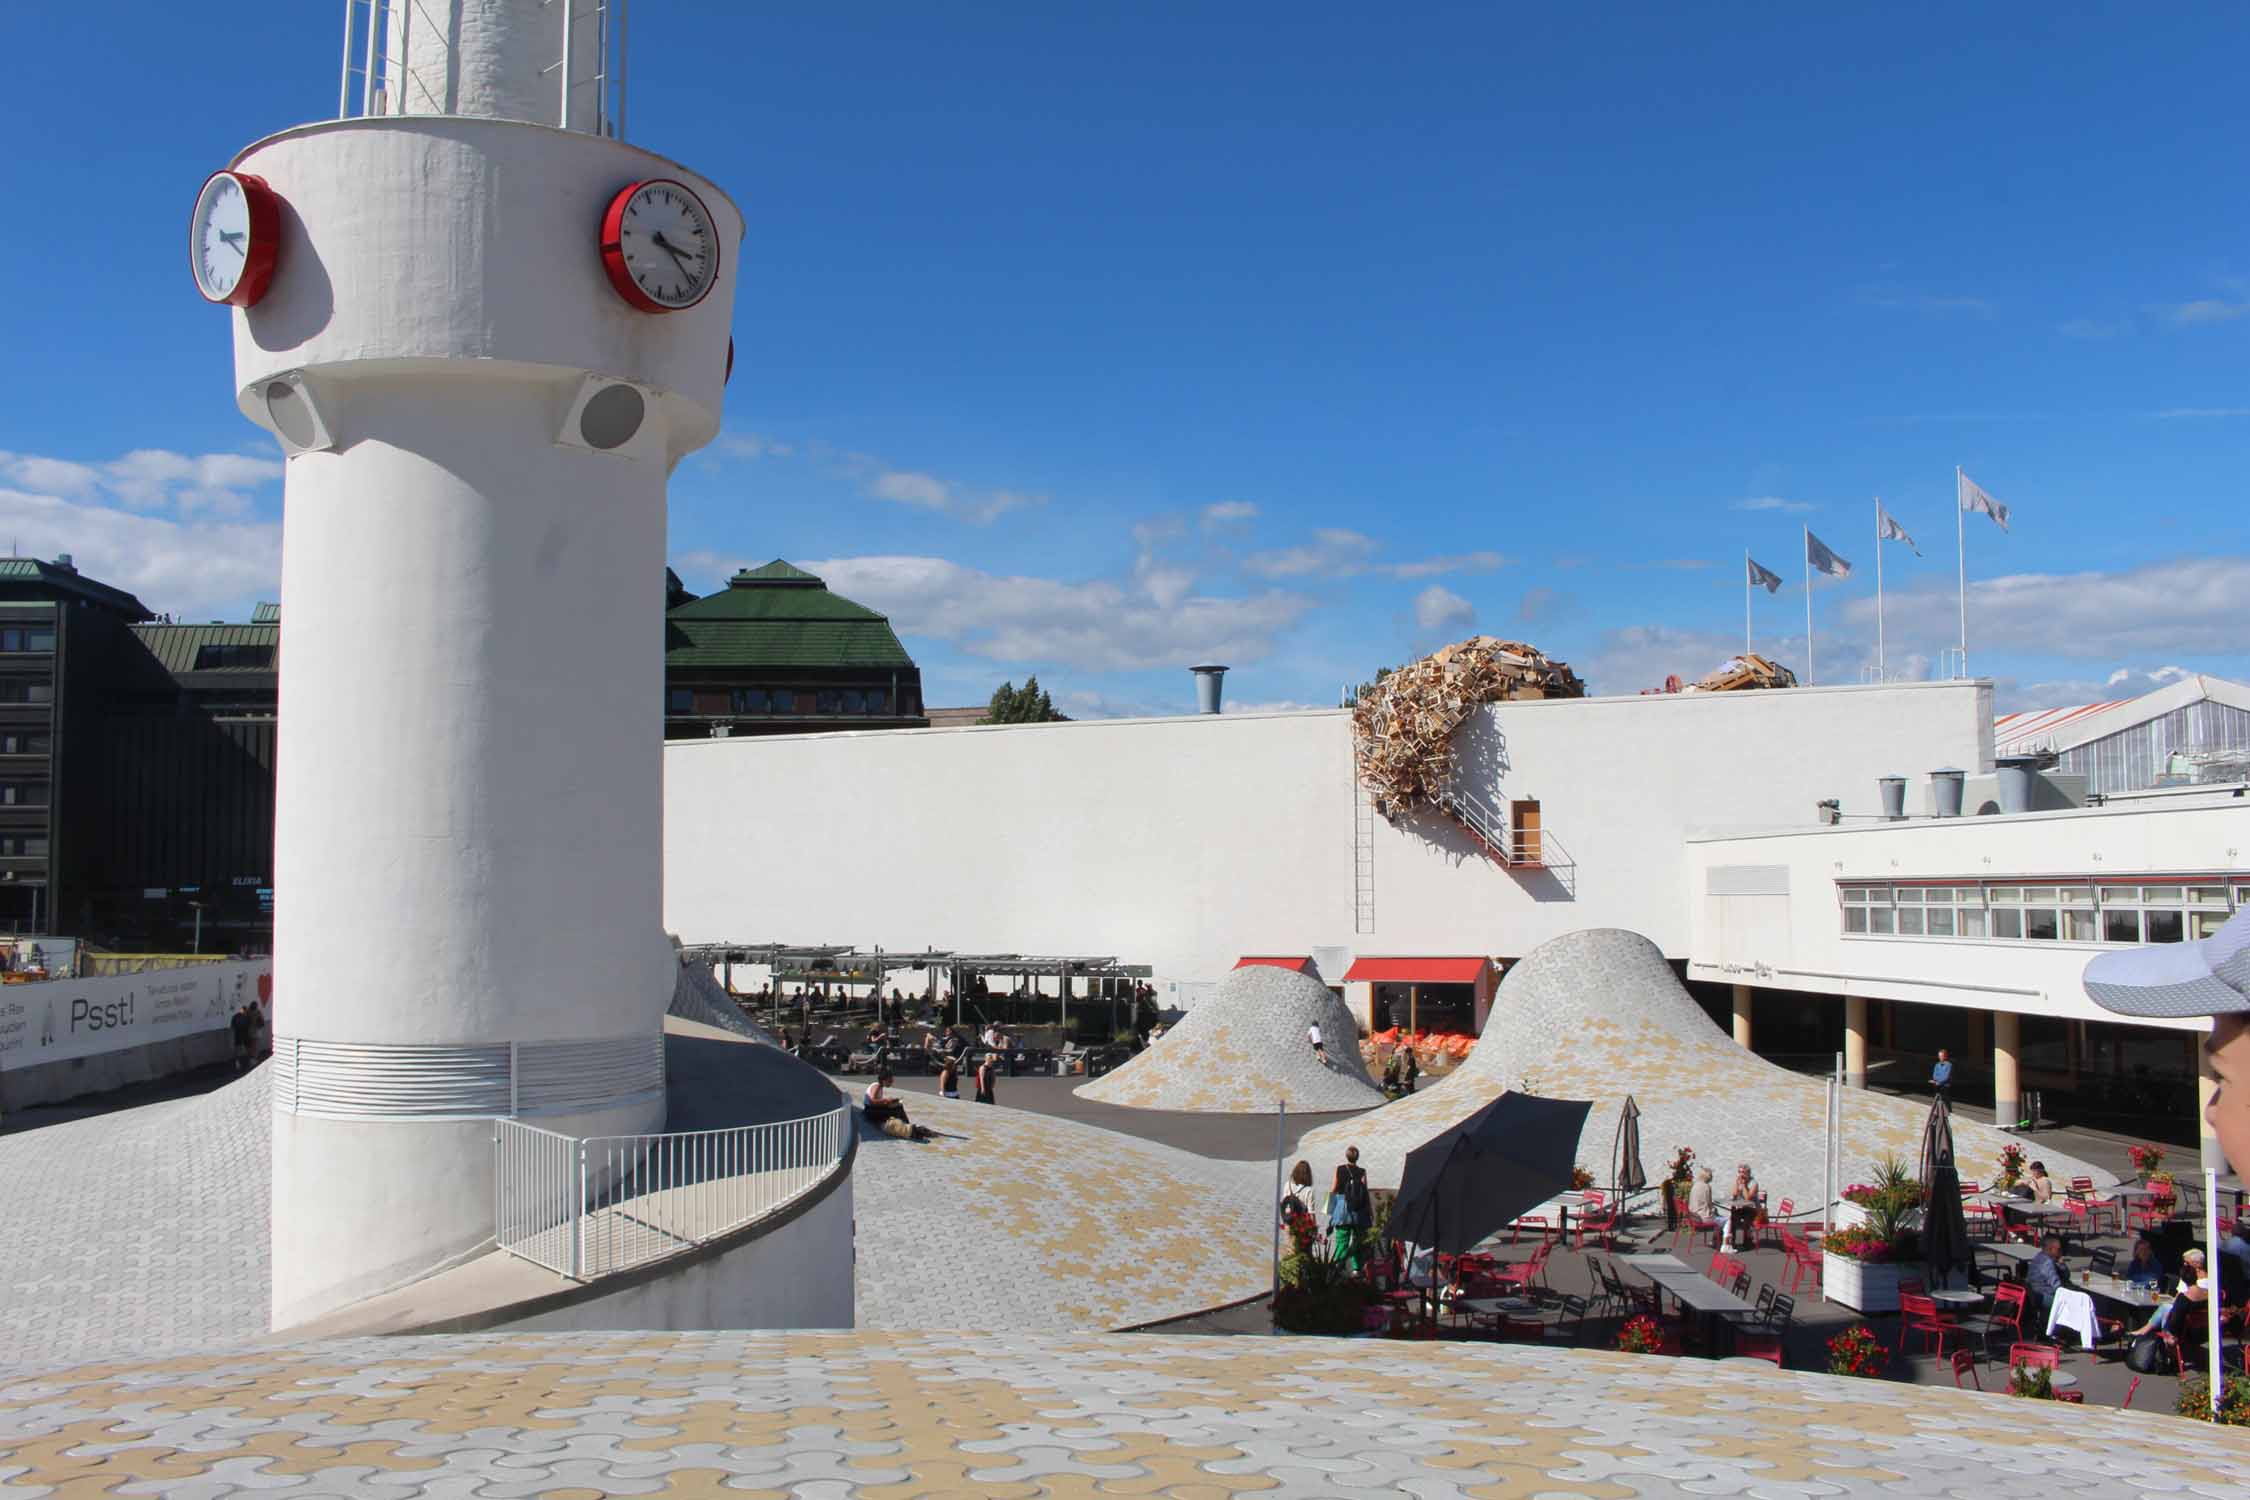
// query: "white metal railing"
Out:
[594,1206]
[1534,848]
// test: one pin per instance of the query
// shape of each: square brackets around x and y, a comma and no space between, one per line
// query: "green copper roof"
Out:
[59,574]
[175,647]
[779,616]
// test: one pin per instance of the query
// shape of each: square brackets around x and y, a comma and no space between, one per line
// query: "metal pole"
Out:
[1746,601]
[1810,675]
[344,70]
[1280,1150]
[1961,563]
[1878,588]
[2211,1304]
[624,26]
[568,28]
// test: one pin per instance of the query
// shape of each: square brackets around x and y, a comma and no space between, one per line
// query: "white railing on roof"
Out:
[594,1206]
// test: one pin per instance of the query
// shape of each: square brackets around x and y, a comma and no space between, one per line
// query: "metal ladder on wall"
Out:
[1363,855]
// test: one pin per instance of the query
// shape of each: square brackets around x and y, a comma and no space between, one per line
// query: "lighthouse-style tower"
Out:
[487,329]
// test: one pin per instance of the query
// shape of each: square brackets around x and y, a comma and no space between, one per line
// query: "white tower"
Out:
[480,425]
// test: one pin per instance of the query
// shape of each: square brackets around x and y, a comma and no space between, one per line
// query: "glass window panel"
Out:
[2007,923]
[855,701]
[1972,923]
[2007,893]
[2202,924]
[2166,926]
[1879,919]
[680,700]
[2125,893]
[2038,895]
[2153,895]
[2079,926]
[1909,895]
[2040,924]
[2207,895]
[2120,924]
[40,692]
[1969,895]
[1910,921]
[2074,895]
[2242,895]
[825,700]
[878,701]
[1855,919]
[1941,921]
[39,640]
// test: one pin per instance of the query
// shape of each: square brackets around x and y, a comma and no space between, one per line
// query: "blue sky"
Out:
[1097,341]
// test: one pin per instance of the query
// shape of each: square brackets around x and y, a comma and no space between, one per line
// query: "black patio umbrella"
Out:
[1945,1227]
[1482,1173]
[1625,1171]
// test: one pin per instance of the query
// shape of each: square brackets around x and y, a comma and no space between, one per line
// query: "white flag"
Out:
[1888,530]
[1820,557]
[1973,497]
[1764,577]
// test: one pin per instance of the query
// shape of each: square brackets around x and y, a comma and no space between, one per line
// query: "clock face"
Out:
[660,246]
[231,238]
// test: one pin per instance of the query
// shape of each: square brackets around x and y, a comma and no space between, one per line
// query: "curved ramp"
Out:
[698,996]
[1599,1015]
[1243,1047]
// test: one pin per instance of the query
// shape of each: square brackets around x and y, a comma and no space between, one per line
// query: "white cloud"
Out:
[911,488]
[1146,534]
[2205,311]
[752,445]
[2155,610]
[1774,502]
[196,567]
[1543,603]
[1457,562]
[1228,513]
[1333,552]
[1096,626]
[1437,608]
[149,479]
[1166,586]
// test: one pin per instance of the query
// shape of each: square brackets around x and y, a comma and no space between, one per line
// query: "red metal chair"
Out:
[2130,1386]
[1691,1225]
[1966,1363]
[1520,1276]
[1919,1314]
[1529,1221]
[2034,1357]
[2006,1314]
[2098,1209]
[1805,1261]
[1603,1229]
[2158,1212]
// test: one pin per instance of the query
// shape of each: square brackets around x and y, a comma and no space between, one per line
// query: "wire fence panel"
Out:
[609,1203]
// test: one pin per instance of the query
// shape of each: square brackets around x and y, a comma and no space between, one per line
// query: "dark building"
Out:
[63,639]
[775,652]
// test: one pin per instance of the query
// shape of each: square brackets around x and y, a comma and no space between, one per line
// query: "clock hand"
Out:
[234,240]
[673,250]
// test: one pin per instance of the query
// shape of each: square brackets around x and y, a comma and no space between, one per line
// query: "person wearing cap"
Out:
[2208,977]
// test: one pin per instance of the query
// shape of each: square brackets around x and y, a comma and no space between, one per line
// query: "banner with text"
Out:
[50,1020]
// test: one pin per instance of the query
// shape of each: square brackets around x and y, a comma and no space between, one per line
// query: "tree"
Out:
[1028,704]
[1352,700]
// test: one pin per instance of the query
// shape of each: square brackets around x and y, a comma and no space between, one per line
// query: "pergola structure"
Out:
[844,964]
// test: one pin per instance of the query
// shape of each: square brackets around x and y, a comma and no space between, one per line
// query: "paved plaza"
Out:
[877,1416]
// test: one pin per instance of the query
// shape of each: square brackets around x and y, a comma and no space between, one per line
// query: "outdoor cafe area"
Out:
[1602,1268]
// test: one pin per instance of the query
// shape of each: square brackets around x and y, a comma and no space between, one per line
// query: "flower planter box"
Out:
[1849,1215]
[1868,1286]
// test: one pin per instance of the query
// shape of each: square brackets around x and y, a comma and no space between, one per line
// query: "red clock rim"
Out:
[613,249]
[264,206]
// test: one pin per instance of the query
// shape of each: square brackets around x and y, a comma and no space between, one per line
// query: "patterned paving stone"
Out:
[1599,1015]
[892,1416]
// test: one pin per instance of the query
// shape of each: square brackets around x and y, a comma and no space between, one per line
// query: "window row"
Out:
[23,844]
[23,794]
[751,701]
[2071,912]
[27,638]
[26,744]
[216,658]
[25,690]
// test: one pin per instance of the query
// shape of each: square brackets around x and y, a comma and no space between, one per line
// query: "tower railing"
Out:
[409,43]
[587,1207]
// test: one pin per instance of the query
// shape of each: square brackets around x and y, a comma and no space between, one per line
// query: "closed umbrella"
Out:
[1625,1170]
[1485,1171]
[1945,1227]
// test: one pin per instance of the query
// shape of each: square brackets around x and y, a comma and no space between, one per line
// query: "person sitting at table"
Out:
[2042,1186]
[2192,1293]
[2144,1269]
[1743,1222]
[1700,1206]
[2042,1277]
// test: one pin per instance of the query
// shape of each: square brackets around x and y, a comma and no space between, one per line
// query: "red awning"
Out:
[1302,963]
[1417,970]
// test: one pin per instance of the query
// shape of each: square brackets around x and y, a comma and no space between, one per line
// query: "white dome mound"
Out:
[1243,1047]
[1599,1015]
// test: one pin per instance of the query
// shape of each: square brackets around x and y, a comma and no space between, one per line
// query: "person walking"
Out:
[239,1025]
[1319,1048]
[1411,1069]
[1349,1211]
[987,1071]
[1941,1077]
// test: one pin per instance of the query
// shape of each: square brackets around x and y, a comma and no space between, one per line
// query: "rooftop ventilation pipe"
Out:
[2016,774]
[1208,681]
[1945,791]
[1893,789]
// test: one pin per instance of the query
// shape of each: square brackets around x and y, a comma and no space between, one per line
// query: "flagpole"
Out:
[1961,555]
[1746,601]
[1810,675]
[1879,588]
